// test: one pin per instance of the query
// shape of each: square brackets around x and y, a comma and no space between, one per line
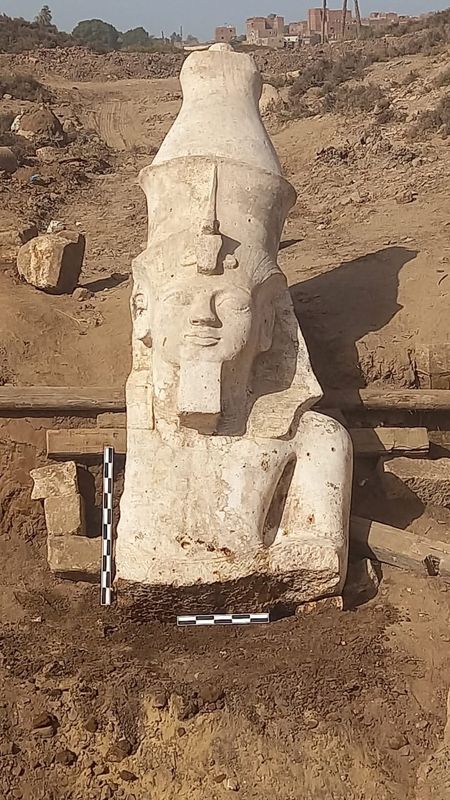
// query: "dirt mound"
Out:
[82,64]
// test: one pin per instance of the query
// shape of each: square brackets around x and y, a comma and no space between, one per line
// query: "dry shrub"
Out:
[443,78]
[6,120]
[430,121]
[410,78]
[357,97]
[23,87]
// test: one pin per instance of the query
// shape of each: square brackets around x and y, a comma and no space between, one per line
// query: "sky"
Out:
[198,17]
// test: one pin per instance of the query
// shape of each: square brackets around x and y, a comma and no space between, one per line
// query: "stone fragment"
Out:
[397,741]
[48,154]
[271,99]
[65,516]
[44,733]
[12,239]
[428,480]
[82,294]
[54,481]
[65,757]
[210,693]
[232,785]
[120,750]
[183,707]
[8,161]
[91,725]
[52,261]
[40,125]
[127,776]
[44,720]
[160,700]
[74,557]
[319,605]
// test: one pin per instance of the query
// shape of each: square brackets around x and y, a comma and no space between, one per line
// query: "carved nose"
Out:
[202,311]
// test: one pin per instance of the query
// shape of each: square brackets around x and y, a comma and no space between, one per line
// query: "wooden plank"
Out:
[61,398]
[85,442]
[383,398]
[366,441]
[379,441]
[399,548]
[112,420]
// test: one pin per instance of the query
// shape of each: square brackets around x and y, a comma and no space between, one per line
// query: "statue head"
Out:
[209,299]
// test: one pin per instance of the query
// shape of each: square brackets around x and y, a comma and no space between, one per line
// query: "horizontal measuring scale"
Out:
[222,619]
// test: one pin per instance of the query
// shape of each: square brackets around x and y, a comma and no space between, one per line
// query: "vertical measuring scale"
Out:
[107,537]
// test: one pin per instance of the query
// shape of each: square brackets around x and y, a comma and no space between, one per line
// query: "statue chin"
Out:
[236,493]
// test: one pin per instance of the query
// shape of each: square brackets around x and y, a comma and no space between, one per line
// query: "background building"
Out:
[265,31]
[225,33]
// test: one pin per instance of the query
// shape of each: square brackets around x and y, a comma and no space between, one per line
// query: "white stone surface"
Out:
[54,481]
[229,476]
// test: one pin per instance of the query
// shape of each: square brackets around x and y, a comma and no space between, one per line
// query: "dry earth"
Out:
[348,706]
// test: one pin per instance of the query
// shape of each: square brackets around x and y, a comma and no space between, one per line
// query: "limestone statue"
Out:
[233,486]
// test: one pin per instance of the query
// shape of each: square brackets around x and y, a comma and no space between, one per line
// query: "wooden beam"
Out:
[379,441]
[383,399]
[399,548]
[58,399]
[367,442]
[85,442]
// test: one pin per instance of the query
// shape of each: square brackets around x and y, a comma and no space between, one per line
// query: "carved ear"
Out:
[266,310]
[140,314]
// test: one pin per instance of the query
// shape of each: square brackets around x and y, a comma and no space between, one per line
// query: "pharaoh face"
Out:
[211,318]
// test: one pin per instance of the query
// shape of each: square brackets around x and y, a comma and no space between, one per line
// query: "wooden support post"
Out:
[324,21]
[344,18]
[399,548]
[358,19]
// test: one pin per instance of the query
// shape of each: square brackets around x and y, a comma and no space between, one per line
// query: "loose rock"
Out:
[65,757]
[117,752]
[53,261]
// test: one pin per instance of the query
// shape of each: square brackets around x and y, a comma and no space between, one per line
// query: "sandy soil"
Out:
[345,705]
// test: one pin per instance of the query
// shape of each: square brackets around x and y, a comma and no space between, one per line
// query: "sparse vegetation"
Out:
[443,78]
[23,87]
[432,121]
[356,97]
[6,120]
[17,35]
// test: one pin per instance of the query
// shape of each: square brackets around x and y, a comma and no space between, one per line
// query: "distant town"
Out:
[320,25]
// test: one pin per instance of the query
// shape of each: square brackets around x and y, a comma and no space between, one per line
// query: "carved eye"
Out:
[177,297]
[238,300]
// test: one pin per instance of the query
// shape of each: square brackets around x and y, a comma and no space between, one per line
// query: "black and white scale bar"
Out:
[222,619]
[107,539]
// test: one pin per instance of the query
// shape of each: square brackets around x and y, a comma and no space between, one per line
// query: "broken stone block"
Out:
[12,239]
[428,480]
[75,557]
[65,516]
[54,481]
[52,261]
[8,161]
